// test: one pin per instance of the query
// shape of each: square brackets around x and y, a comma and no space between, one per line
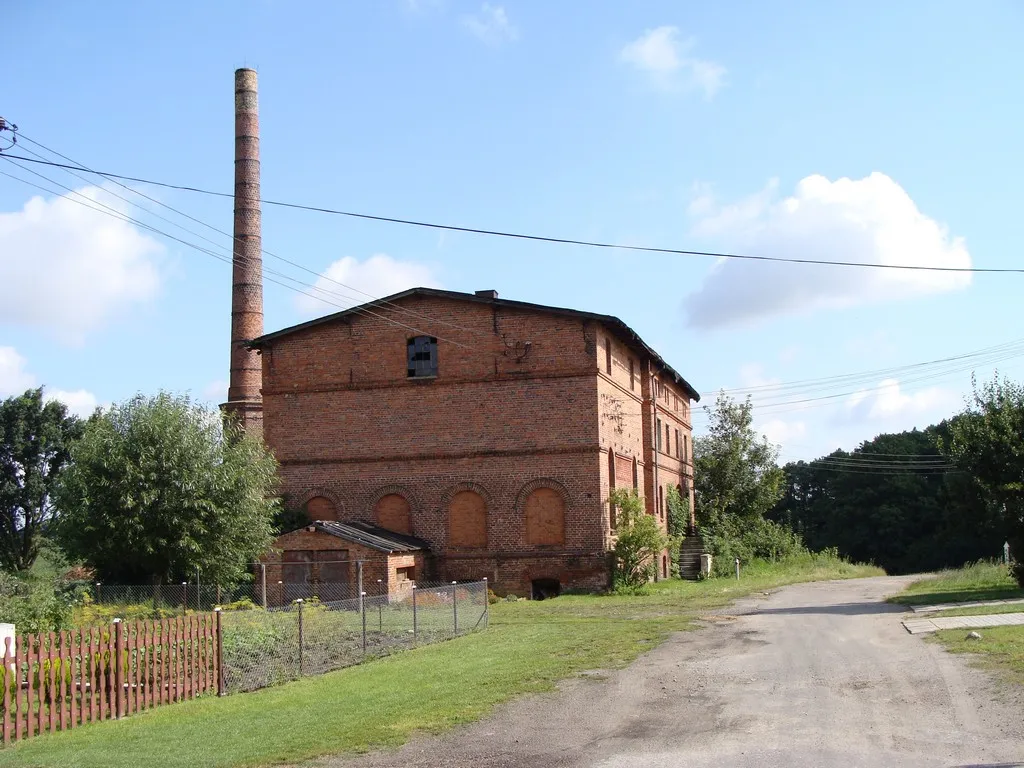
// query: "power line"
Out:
[233,238]
[124,217]
[534,238]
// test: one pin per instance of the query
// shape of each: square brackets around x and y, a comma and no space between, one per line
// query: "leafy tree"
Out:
[35,439]
[889,502]
[639,540]
[737,481]
[987,441]
[159,487]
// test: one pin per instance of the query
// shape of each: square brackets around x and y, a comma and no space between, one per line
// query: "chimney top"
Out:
[488,294]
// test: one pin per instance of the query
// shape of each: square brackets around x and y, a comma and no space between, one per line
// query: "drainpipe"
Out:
[656,434]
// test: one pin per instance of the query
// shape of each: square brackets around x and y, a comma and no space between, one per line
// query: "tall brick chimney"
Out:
[245,400]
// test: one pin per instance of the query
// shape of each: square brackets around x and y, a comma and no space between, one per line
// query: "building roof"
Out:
[489,298]
[367,535]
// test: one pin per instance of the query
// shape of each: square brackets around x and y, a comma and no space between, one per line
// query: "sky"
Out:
[873,132]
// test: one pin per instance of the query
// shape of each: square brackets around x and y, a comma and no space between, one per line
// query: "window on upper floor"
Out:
[659,434]
[422,357]
[678,454]
[608,355]
[632,375]
[668,440]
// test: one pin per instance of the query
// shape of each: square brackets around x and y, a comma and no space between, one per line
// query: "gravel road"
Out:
[816,675]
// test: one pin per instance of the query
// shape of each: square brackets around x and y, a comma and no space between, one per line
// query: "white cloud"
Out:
[869,220]
[380,275]
[14,379]
[887,403]
[664,57]
[781,432]
[69,269]
[79,402]
[753,375]
[491,25]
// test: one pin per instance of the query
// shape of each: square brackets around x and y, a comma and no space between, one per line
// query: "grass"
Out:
[977,581]
[1000,648]
[529,646]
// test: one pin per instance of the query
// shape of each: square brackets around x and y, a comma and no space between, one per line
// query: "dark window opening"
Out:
[608,355]
[632,376]
[668,440]
[678,452]
[542,589]
[405,574]
[659,434]
[422,356]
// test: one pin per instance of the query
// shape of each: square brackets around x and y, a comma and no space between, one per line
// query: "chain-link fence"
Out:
[310,637]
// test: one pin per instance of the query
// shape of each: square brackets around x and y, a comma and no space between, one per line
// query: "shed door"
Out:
[297,567]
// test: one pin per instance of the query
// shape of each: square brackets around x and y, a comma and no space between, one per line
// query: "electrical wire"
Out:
[539,238]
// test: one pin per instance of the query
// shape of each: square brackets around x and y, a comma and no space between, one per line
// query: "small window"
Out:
[636,475]
[659,434]
[668,440]
[678,452]
[422,355]
[608,355]
[686,448]
[632,376]
[405,574]
[661,502]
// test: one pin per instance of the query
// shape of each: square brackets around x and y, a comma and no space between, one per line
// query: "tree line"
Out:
[909,502]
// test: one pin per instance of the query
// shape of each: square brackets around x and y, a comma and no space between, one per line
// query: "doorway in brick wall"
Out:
[542,589]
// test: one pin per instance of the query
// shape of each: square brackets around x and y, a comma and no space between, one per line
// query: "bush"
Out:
[245,604]
[40,599]
[639,540]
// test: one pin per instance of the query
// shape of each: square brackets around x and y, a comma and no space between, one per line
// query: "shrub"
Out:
[639,540]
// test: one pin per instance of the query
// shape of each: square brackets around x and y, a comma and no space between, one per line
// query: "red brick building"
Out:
[492,430]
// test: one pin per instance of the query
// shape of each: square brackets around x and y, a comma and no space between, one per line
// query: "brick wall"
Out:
[516,407]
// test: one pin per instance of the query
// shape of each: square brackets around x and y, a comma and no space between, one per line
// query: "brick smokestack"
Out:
[245,400]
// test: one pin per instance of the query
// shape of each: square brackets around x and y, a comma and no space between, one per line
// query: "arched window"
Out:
[321,508]
[467,521]
[393,512]
[545,518]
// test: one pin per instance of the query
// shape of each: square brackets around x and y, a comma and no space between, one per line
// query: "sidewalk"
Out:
[920,626]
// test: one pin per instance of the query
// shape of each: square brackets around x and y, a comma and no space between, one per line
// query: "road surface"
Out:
[816,675]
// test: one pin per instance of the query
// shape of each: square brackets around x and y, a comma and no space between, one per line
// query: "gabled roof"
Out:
[371,536]
[489,298]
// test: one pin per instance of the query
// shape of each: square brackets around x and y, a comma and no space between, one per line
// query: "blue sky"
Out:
[867,132]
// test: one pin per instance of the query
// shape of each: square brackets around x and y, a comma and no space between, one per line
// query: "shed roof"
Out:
[490,298]
[368,535]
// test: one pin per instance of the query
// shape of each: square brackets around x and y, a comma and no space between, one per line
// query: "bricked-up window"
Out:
[659,434]
[467,521]
[545,518]
[608,355]
[422,354]
[321,508]
[632,375]
[392,512]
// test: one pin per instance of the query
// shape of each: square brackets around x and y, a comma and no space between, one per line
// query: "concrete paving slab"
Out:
[950,606]
[920,626]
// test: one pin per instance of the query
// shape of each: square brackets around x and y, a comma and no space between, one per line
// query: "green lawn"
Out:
[978,581]
[1000,648]
[528,647]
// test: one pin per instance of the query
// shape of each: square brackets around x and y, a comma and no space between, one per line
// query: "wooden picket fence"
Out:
[58,680]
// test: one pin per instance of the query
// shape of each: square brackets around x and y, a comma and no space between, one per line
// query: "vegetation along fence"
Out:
[59,680]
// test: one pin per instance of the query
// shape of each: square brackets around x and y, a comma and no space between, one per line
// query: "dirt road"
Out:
[813,675]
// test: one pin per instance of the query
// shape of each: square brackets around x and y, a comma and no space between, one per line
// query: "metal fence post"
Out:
[737,569]
[99,592]
[359,587]
[380,606]
[184,598]
[455,609]
[487,603]
[415,628]
[302,641]
[362,611]
[118,663]
[263,584]
[220,651]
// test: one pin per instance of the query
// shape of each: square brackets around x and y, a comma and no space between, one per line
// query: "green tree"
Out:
[639,540]
[678,521]
[159,487]
[736,481]
[35,440]
[986,442]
